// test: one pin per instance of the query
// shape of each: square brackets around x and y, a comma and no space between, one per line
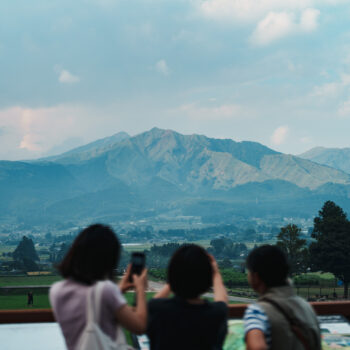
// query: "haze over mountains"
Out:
[338,158]
[162,172]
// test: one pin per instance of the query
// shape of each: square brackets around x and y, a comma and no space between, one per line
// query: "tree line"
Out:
[329,249]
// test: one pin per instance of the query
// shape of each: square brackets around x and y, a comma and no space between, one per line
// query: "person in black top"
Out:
[186,321]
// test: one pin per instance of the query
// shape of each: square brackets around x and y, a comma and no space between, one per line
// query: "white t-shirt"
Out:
[68,300]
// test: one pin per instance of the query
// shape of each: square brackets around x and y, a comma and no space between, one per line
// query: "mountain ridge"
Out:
[338,158]
[160,171]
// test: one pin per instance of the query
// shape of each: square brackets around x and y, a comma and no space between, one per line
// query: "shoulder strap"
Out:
[293,322]
[90,312]
[97,298]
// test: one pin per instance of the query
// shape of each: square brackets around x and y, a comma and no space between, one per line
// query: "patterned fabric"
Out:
[256,318]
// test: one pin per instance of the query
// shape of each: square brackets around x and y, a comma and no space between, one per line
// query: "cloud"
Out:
[309,19]
[344,109]
[279,135]
[221,112]
[277,25]
[274,26]
[253,10]
[162,67]
[31,132]
[331,89]
[66,77]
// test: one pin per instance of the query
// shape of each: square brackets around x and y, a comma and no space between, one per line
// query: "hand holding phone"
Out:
[138,263]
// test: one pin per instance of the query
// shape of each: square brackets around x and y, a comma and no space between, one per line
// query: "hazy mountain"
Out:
[338,158]
[194,162]
[162,171]
[90,150]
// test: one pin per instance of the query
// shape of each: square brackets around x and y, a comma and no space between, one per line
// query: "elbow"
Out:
[257,347]
[140,329]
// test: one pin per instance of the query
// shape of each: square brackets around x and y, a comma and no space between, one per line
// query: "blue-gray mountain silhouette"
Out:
[162,171]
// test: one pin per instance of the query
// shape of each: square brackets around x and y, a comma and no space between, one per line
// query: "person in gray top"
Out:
[280,320]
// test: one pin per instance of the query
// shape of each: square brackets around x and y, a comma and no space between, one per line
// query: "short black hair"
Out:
[270,263]
[190,271]
[93,255]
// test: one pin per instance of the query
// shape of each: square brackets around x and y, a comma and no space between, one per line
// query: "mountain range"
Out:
[338,158]
[162,172]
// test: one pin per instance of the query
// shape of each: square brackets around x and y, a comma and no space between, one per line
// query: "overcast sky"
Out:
[272,71]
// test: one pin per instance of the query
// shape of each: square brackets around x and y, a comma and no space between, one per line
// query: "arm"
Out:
[220,293]
[135,319]
[164,292]
[255,340]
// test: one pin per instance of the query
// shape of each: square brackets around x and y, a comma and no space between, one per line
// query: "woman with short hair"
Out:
[93,257]
[187,321]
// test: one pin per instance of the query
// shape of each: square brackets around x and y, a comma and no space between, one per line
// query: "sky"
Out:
[271,71]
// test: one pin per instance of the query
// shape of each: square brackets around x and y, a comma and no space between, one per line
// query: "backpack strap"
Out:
[90,310]
[294,324]
[98,289]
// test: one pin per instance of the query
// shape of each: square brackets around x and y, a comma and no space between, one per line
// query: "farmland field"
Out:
[28,280]
[41,301]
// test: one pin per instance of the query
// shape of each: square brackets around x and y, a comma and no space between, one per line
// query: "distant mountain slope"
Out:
[26,188]
[193,162]
[162,171]
[88,151]
[338,158]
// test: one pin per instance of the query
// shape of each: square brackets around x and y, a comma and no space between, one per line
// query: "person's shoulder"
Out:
[57,287]
[217,310]
[112,295]
[156,304]
[57,290]
[254,309]
[219,306]
[110,287]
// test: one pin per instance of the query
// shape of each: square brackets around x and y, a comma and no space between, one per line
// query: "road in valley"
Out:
[157,286]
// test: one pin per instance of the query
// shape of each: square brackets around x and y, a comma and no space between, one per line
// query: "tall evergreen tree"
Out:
[25,250]
[295,247]
[330,252]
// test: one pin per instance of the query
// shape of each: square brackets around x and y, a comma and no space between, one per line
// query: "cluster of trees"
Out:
[58,251]
[158,255]
[25,256]
[224,247]
[329,250]
[193,234]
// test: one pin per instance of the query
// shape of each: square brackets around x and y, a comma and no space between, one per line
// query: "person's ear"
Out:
[254,280]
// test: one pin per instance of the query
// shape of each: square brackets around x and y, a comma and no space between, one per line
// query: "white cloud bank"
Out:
[33,132]
[279,136]
[277,25]
[253,10]
[331,89]
[162,67]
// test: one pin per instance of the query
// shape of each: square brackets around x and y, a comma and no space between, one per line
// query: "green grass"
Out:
[16,302]
[6,248]
[137,248]
[28,280]
[41,301]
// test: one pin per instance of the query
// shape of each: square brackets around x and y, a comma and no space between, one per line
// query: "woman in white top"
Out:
[93,257]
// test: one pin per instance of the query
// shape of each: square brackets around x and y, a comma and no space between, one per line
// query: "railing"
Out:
[235,311]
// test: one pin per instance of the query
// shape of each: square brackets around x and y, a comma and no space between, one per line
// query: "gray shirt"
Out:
[68,300]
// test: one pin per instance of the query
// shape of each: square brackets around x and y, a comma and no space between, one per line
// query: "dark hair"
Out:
[93,255]
[270,263]
[190,272]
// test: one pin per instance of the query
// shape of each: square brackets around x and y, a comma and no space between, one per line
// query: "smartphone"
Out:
[138,263]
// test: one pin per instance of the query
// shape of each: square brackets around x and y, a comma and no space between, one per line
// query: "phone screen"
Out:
[138,262]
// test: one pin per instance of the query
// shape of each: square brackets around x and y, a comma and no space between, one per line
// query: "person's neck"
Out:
[195,301]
